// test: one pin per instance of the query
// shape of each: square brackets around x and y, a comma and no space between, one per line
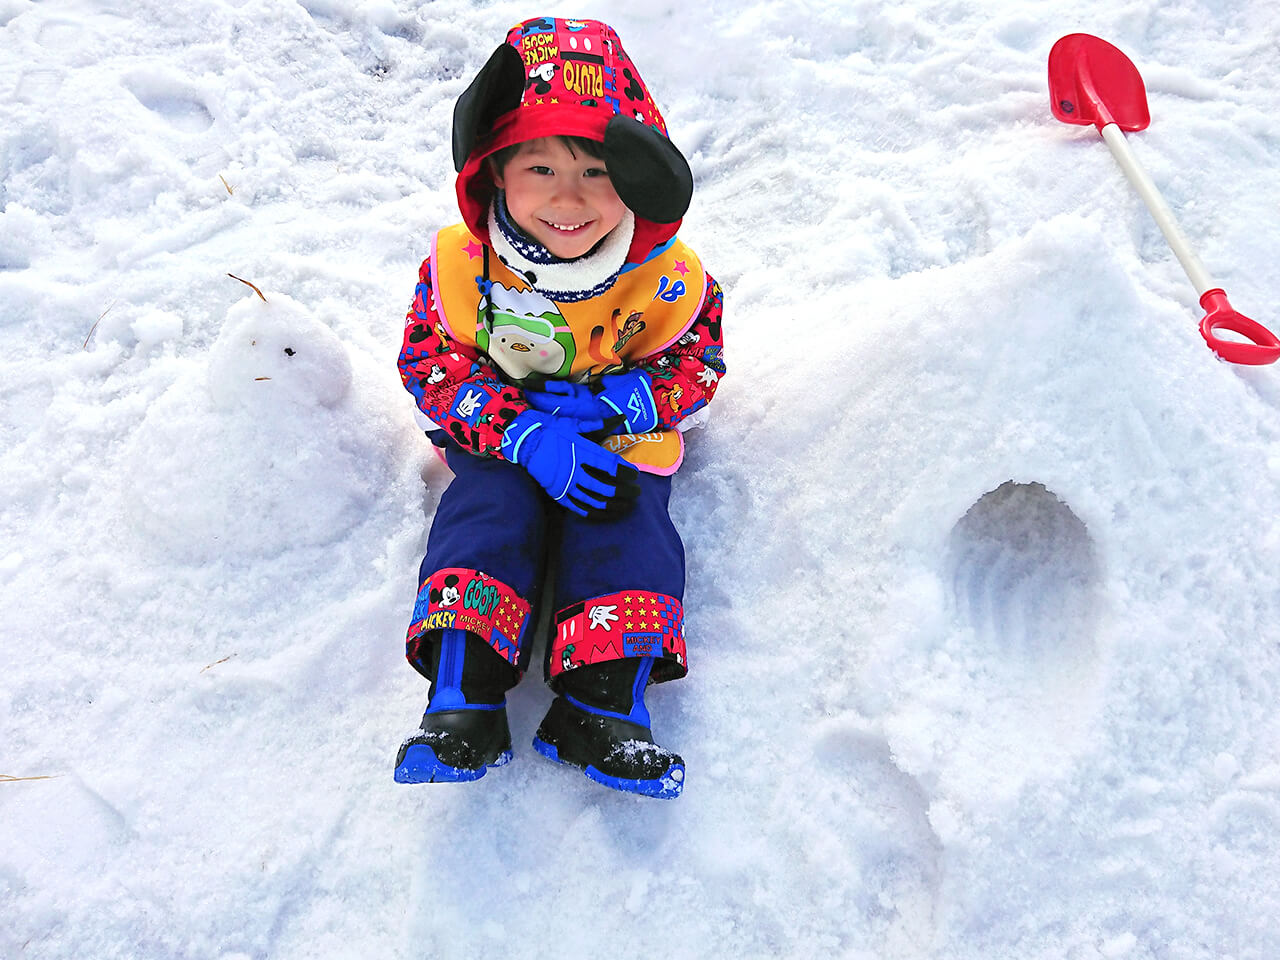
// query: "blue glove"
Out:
[625,395]
[576,472]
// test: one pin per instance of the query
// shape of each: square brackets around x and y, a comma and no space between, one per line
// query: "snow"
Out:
[982,540]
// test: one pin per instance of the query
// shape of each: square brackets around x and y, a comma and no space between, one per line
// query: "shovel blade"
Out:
[1092,82]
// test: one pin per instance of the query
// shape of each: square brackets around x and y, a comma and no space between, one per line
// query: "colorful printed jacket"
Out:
[448,376]
[578,79]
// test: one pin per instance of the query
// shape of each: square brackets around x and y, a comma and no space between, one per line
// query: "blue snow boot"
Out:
[599,723]
[464,731]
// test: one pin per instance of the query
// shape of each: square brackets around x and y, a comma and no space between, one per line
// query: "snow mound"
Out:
[263,455]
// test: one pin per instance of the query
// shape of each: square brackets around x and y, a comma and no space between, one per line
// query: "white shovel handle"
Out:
[1196,272]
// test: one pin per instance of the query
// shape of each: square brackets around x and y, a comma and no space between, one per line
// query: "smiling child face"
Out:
[560,197]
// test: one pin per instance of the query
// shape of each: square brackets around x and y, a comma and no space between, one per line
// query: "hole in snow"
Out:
[1024,571]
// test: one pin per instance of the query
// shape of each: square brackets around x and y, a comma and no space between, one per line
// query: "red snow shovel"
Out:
[1091,82]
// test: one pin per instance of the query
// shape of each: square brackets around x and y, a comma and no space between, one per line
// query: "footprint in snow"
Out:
[867,828]
[1026,606]
[1025,574]
[172,100]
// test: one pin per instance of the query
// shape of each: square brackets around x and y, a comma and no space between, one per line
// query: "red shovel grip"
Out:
[1265,348]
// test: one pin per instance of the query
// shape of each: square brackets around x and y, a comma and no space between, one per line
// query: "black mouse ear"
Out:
[650,175]
[496,89]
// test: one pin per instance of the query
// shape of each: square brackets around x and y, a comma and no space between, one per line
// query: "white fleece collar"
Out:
[568,281]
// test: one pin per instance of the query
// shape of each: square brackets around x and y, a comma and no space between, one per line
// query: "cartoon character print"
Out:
[417,322]
[540,25]
[611,361]
[669,397]
[447,595]
[418,326]
[633,90]
[438,371]
[592,68]
[539,48]
[713,357]
[713,311]
[612,627]
[686,377]
[696,360]
[639,102]
[633,325]
[662,367]
[529,334]
[485,433]
[540,78]
[578,46]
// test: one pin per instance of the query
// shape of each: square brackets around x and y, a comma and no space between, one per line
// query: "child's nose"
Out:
[567,190]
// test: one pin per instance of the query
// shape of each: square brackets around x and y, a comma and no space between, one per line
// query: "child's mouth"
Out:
[567,227]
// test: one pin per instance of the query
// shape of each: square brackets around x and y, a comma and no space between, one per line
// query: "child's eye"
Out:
[596,172]
[541,170]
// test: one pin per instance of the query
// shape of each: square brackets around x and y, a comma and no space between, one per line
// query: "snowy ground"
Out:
[983,542]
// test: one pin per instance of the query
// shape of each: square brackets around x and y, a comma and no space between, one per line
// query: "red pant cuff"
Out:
[461,599]
[633,623]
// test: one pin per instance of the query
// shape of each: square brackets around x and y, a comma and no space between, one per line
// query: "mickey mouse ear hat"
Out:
[570,78]
[495,90]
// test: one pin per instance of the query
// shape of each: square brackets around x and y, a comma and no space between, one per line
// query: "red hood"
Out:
[577,79]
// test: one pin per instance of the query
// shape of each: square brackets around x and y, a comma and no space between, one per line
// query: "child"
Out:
[559,337]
